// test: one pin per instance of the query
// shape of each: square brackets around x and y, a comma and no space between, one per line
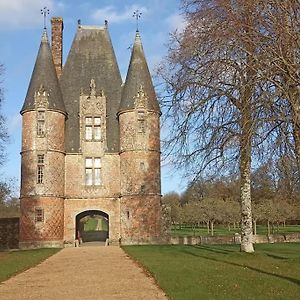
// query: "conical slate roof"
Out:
[138,76]
[44,74]
[91,57]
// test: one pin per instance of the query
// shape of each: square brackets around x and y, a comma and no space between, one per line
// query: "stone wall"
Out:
[235,239]
[9,233]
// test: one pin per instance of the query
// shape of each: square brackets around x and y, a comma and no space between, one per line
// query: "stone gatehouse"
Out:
[89,142]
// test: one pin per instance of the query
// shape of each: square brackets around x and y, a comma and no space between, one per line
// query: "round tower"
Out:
[139,115]
[42,156]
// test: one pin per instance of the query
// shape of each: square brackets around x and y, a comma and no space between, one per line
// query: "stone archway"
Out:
[92,226]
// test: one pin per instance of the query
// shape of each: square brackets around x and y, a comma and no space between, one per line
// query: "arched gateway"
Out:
[92,226]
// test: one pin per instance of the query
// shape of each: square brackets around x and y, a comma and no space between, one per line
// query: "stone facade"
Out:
[93,152]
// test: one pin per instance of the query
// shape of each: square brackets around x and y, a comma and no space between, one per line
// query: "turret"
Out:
[139,153]
[42,186]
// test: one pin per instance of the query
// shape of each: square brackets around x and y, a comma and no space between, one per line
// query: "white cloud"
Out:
[113,15]
[176,22]
[16,14]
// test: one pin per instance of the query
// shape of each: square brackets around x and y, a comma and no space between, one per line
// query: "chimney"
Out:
[57,27]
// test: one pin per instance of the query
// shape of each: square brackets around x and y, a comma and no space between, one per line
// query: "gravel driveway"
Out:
[83,273]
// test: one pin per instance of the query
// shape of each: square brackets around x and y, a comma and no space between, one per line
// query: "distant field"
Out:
[93,224]
[223,272]
[15,262]
[221,230]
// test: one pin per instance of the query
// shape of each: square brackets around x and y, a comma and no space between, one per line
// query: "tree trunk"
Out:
[207,225]
[245,170]
[268,226]
[212,227]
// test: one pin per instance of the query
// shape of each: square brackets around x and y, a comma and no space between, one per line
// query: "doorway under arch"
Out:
[92,226]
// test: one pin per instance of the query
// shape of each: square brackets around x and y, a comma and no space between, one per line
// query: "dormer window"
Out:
[41,123]
[92,128]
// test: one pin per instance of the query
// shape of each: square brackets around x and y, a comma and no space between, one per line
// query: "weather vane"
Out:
[137,14]
[45,12]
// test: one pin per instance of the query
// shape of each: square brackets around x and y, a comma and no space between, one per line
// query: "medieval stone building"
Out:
[90,144]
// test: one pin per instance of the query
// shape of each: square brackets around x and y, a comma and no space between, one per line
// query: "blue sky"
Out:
[21,26]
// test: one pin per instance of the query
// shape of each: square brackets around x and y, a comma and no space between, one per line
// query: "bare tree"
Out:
[211,73]
[276,38]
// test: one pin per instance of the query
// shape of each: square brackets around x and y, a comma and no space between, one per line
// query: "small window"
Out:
[88,133]
[40,158]
[41,123]
[142,166]
[93,171]
[89,121]
[40,168]
[141,115]
[41,115]
[142,126]
[93,128]
[97,171]
[141,122]
[39,215]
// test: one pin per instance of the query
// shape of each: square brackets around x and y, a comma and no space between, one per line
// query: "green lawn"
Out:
[221,230]
[92,223]
[222,272]
[15,262]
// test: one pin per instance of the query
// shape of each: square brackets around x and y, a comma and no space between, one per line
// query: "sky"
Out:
[21,27]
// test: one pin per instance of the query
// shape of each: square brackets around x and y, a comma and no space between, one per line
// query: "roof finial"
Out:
[45,12]
[137,14]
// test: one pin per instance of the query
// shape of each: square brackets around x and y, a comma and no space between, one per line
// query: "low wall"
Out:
[9,233]
[235,239]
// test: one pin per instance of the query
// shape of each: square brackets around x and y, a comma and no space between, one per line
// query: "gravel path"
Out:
[83,273]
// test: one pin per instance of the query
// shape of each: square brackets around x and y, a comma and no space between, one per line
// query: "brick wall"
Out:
[57,43]
[9,233]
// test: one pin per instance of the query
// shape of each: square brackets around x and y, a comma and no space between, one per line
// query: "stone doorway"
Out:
[92,226]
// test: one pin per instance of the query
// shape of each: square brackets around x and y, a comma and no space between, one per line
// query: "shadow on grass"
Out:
[215,250]
[277,256]
[218,251]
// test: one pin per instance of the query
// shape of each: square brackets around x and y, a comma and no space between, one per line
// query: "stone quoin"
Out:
[89,143]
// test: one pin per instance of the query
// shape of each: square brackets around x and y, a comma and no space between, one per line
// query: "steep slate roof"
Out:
[91,57]
[138,75]
[44,74]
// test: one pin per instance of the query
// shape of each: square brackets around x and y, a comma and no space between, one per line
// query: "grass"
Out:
[222,271]
[14,262]
[92,223]
[220,230]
